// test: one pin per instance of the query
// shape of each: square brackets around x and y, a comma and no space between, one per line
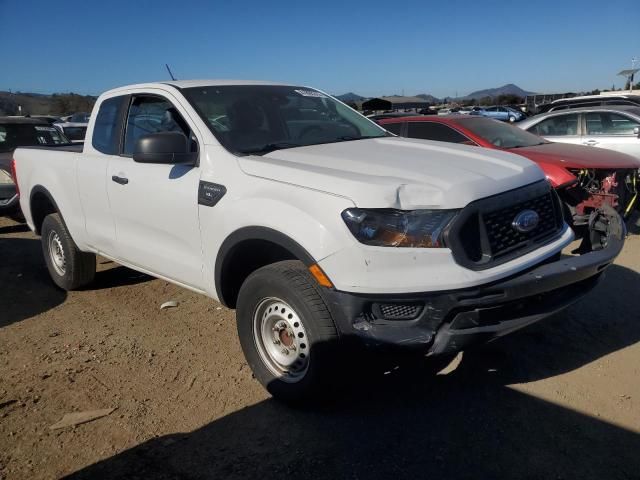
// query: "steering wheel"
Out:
[307,130]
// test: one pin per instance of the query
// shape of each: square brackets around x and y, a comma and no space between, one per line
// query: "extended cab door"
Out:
[155,205]
[91,171]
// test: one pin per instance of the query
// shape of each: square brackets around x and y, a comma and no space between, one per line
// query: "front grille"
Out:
[482,236]
[503,237]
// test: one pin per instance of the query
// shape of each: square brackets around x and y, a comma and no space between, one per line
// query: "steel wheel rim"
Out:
[56,253]
[281,339]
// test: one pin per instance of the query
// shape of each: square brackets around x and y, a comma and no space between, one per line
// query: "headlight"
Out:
[5,177]
[398,228]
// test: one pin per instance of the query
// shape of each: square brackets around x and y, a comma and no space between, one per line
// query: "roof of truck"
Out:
[206,83]
[196,83]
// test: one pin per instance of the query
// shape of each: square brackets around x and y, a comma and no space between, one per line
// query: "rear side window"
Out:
[106,138]
[606,123]
[393,127]
[435,131]
[560,125]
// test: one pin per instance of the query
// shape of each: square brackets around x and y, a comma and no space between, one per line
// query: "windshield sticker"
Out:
[46,129]
[311,93]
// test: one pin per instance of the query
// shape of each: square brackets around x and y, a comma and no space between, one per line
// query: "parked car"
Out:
[588,101]
[614,128]
[81,117]
[75,132]
[505,114]
[19,132]
[585,178]
[321,232]
[381,116]
[50,119]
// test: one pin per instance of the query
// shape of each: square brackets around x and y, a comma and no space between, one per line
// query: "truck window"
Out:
[105,137]
[255,119]
[148,114]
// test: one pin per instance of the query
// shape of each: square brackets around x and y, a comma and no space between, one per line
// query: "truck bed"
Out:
[67,147]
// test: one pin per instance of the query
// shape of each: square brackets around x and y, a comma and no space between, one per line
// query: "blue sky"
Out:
[371,48]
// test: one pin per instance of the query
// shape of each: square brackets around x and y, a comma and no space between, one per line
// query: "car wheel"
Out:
[512,119]
[69,268]
[287,333]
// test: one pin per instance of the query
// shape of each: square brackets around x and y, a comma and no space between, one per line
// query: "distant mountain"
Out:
[350,97]
[508,89]
[429,98]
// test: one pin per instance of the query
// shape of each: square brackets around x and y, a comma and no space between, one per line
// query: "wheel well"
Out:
[243,259]
[41,206]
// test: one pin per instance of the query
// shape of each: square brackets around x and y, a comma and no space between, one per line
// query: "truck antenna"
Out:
[169,70]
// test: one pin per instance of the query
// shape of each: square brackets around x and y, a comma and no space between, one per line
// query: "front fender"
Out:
[305,222]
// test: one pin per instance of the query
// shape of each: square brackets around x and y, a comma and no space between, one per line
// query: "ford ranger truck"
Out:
[318,226]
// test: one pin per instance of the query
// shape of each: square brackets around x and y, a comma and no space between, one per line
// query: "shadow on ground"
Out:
[412,424]
[117,276]
[26,288]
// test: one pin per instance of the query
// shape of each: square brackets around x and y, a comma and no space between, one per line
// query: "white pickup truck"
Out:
[313,222]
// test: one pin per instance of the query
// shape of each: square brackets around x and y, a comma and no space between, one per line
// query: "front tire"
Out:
[287,333]
[69,268]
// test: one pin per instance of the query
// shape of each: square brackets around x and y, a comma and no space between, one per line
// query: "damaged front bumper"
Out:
[449,321]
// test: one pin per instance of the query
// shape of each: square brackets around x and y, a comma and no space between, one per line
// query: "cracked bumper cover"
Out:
[448,321]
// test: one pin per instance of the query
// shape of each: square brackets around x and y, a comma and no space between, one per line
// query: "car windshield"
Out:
[14,135]
[257,119]
[500,134]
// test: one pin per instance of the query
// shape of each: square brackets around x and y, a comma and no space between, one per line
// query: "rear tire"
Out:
[287,333]
[69,268]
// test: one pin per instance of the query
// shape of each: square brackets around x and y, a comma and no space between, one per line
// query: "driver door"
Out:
[154,206]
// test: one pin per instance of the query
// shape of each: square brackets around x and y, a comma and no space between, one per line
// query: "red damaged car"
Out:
[587,179]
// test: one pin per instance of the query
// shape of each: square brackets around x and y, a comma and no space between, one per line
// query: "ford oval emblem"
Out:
[526,221]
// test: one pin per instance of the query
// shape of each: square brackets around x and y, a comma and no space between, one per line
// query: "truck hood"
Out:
[576,156]
[394,172]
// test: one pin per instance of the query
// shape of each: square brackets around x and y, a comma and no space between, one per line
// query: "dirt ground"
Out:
[559,400]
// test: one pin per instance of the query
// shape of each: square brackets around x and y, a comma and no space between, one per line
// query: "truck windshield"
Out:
[14,135]
[257,119]
[500,134]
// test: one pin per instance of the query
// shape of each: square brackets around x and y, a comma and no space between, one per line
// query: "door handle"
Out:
[119,180]
[591,143]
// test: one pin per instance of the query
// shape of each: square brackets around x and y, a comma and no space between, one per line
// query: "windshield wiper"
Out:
[347,138]
[270,147]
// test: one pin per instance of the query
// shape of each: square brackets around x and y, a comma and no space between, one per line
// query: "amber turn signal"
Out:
[320,276]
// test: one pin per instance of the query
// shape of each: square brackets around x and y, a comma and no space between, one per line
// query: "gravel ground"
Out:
[559,400]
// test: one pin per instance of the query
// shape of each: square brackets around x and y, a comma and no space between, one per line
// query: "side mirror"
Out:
[164,147]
